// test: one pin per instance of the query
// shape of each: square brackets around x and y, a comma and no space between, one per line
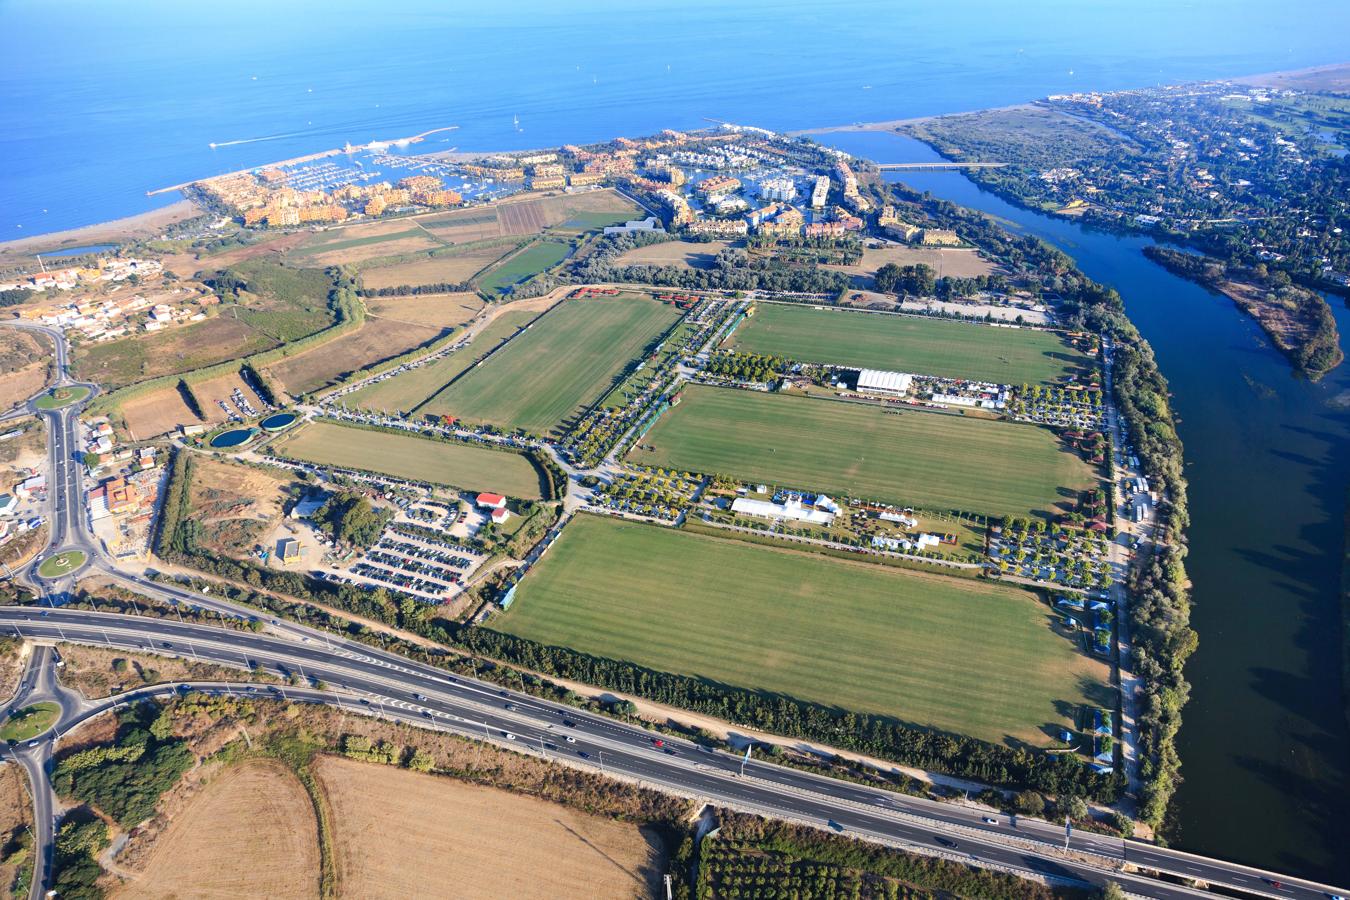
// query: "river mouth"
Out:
[1264,735]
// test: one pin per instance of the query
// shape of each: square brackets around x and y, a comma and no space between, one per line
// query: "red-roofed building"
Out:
[491,501]
[500,515]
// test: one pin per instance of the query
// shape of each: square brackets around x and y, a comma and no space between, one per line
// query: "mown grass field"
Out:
[407,390]
[524,265]
[965,656]
[407,456]
[928,460]
[908,344]
[565,361]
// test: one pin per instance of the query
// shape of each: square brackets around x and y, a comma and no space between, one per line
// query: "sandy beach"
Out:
[892,124]
[143,225]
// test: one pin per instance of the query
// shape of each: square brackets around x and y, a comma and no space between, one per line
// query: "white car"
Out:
[571,740]
[508,735]
[989,820]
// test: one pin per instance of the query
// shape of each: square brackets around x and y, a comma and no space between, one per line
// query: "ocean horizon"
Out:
[136,96]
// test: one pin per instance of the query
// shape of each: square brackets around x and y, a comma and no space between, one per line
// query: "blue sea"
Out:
[103,101]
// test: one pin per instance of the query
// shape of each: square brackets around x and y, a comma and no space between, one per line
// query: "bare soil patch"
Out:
[143,225]
[234,503]
[684,254]
[249,833]
[210,393]
[438,310]
[397,832]
[11,666]
[377,339]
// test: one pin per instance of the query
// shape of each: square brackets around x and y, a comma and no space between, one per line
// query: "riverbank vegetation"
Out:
[1298,321]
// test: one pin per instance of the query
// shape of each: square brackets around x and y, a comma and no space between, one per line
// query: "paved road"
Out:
[391,685]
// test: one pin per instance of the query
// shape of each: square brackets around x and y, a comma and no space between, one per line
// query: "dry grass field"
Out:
[249,833]
[440,268]
[178,349]
[234,503]
[15,814]
[94,672]
[376,340]
[398,832]
[684,254]
[959,263]
[356,243]
[24,364]
[439,310]
[156,413]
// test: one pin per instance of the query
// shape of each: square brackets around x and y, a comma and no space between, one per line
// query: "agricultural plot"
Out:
[566,361]
[408,390]
[158,412]
[971,657]
[408,456]
[910,458]
[523,266]
[396,832]
[356,243]
[374,341]
[452,265]
[573,213]
[909,344]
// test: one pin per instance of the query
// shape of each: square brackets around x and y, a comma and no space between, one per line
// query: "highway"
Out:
[371,681]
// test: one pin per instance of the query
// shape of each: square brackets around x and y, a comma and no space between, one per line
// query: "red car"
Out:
[657,742]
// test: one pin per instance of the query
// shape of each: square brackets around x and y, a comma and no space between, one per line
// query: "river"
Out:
[1264,739]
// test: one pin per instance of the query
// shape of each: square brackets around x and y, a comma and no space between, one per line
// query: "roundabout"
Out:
[61,564]
[60,397]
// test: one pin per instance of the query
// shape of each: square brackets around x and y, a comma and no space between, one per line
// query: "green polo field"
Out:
[908,344]
[965,656]
[567,359]
[908,457]
[417,458]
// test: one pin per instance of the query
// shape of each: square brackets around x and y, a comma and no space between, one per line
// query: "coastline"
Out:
[895,124]
[142,225]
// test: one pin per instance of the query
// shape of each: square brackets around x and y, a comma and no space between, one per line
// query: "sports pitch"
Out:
[908,344]
[564,362]
[965,656]
[405,391]
[421,459]
[928,460]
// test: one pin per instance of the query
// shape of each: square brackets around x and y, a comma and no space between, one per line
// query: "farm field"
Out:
[156,413]
[911,458]
[567,360]
[452,265]
[396,832]
[957,655]
[357,243]
[523,266]
[407,390]
[406,456]
[376,340]
[270,823]
[531,215]
[439,310]
[685,254]
[908,344]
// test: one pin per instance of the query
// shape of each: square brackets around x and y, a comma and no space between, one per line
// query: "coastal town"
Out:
[685,464]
